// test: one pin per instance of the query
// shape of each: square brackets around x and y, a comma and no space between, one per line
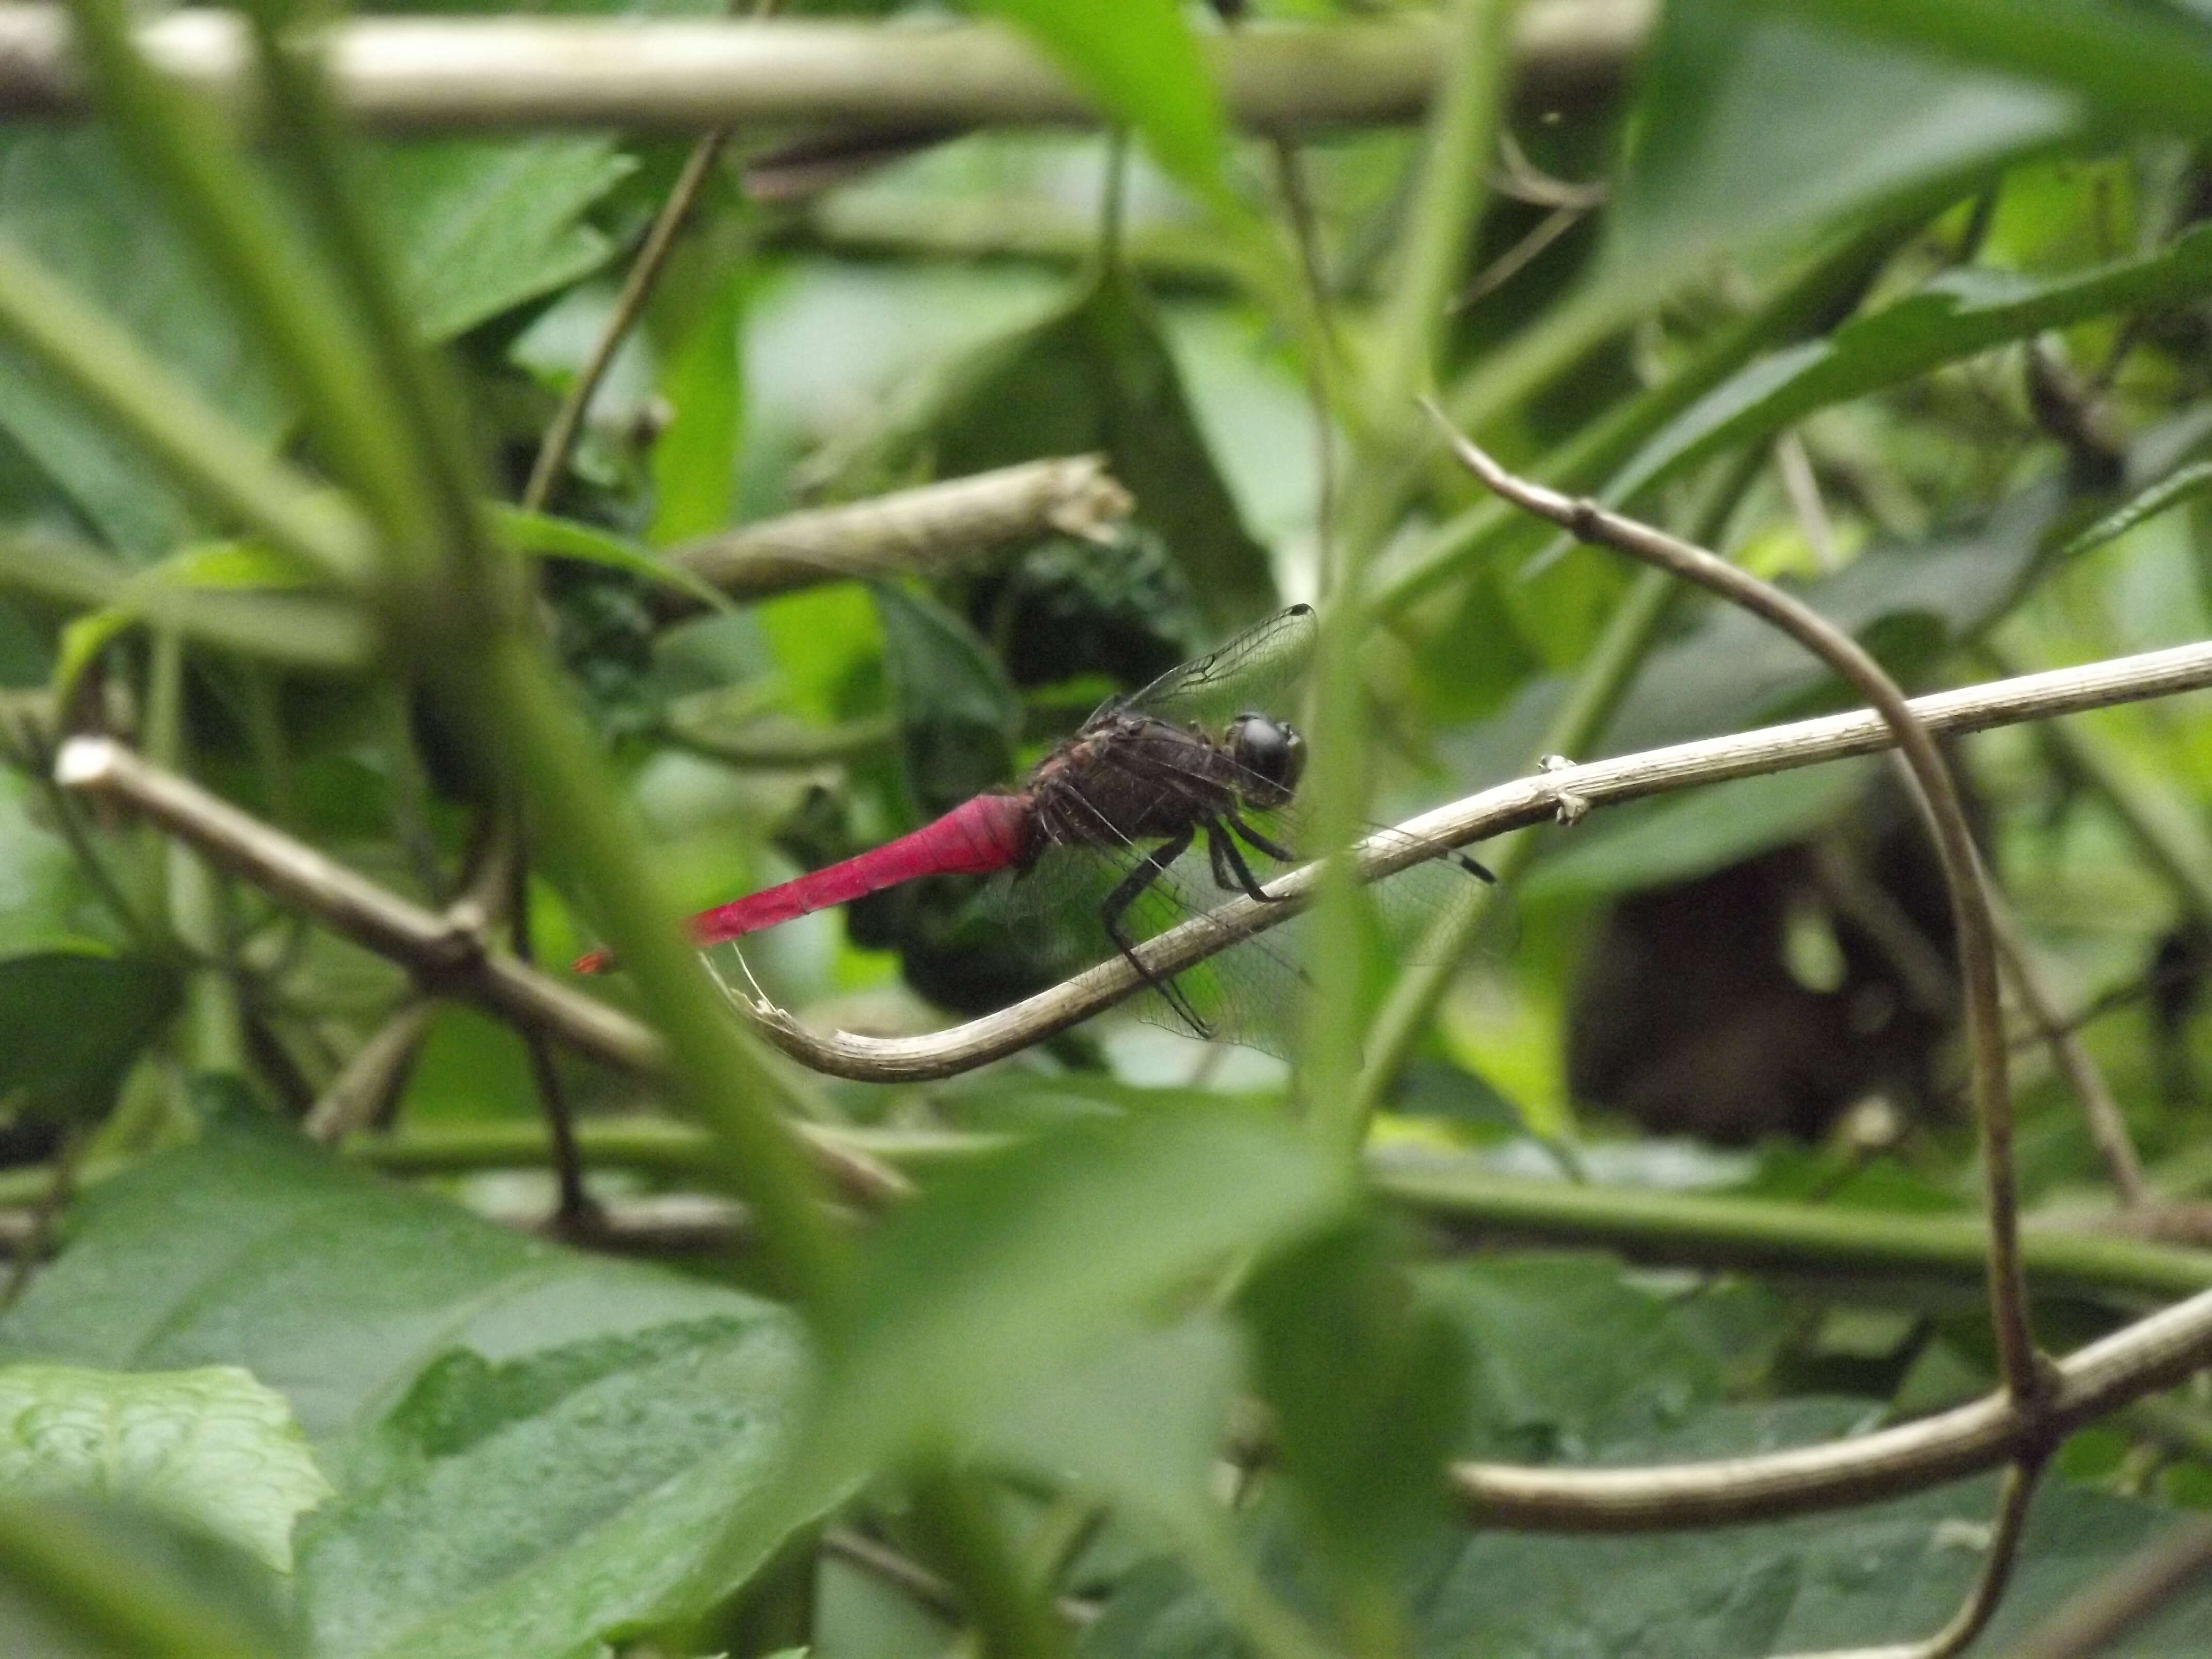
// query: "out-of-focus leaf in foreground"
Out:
[1034,1263]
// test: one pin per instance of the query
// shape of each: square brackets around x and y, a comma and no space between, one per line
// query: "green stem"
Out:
[1447,201]
[1652,1226]
[225,469]
[1766,1236]
[966,1543]
[723,1077]
[1448,198]
[80,1578]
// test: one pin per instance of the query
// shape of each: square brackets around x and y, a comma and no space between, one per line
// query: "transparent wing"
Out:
[1254,991]
[1260,670]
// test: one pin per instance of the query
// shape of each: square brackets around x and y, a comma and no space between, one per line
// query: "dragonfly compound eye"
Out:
[1270,758]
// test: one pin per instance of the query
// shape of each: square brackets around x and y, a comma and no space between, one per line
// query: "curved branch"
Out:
[2154,1353]
[445,74]
[1940,808]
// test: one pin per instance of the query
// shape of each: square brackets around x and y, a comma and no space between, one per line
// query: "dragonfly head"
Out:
[1270,758]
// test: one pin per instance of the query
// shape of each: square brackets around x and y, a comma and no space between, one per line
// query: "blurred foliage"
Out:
[1907,310]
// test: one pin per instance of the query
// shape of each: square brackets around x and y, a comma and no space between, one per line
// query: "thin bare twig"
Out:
[906,530]
[1938,798]
[2101,1111]
[637,287]
[688,74]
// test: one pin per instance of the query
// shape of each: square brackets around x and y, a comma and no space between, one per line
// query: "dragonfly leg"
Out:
[1223,877]
[1125,893]
[1253,838]
[1219,842]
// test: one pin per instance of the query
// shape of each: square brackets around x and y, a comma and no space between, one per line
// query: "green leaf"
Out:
[1096,376]
[1569,1353]
[1138,59]
[958,717]
[1141,1425]
[1754,125]
[212,1447]
[1858,1578]
[695,460]
[531,1447]
[1693,834]
[41,888]
[72,1021]
[482,226]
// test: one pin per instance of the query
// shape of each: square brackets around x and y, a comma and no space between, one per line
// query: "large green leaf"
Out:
[958,718]
[482,226]
[42,891]
[210,1446]
[1907,602]
[1367,1390]
[2148,66]
[529,1446]
[1573,1367]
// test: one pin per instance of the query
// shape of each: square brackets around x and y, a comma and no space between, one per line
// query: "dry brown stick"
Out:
[371,1080]
[2092,1620]
[687,75]
[906,530]
[449,955]
[1588,521]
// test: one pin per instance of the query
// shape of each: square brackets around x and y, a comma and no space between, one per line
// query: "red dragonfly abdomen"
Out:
[978,836]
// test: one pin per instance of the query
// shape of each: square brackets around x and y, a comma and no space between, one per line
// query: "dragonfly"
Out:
[1113,820]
